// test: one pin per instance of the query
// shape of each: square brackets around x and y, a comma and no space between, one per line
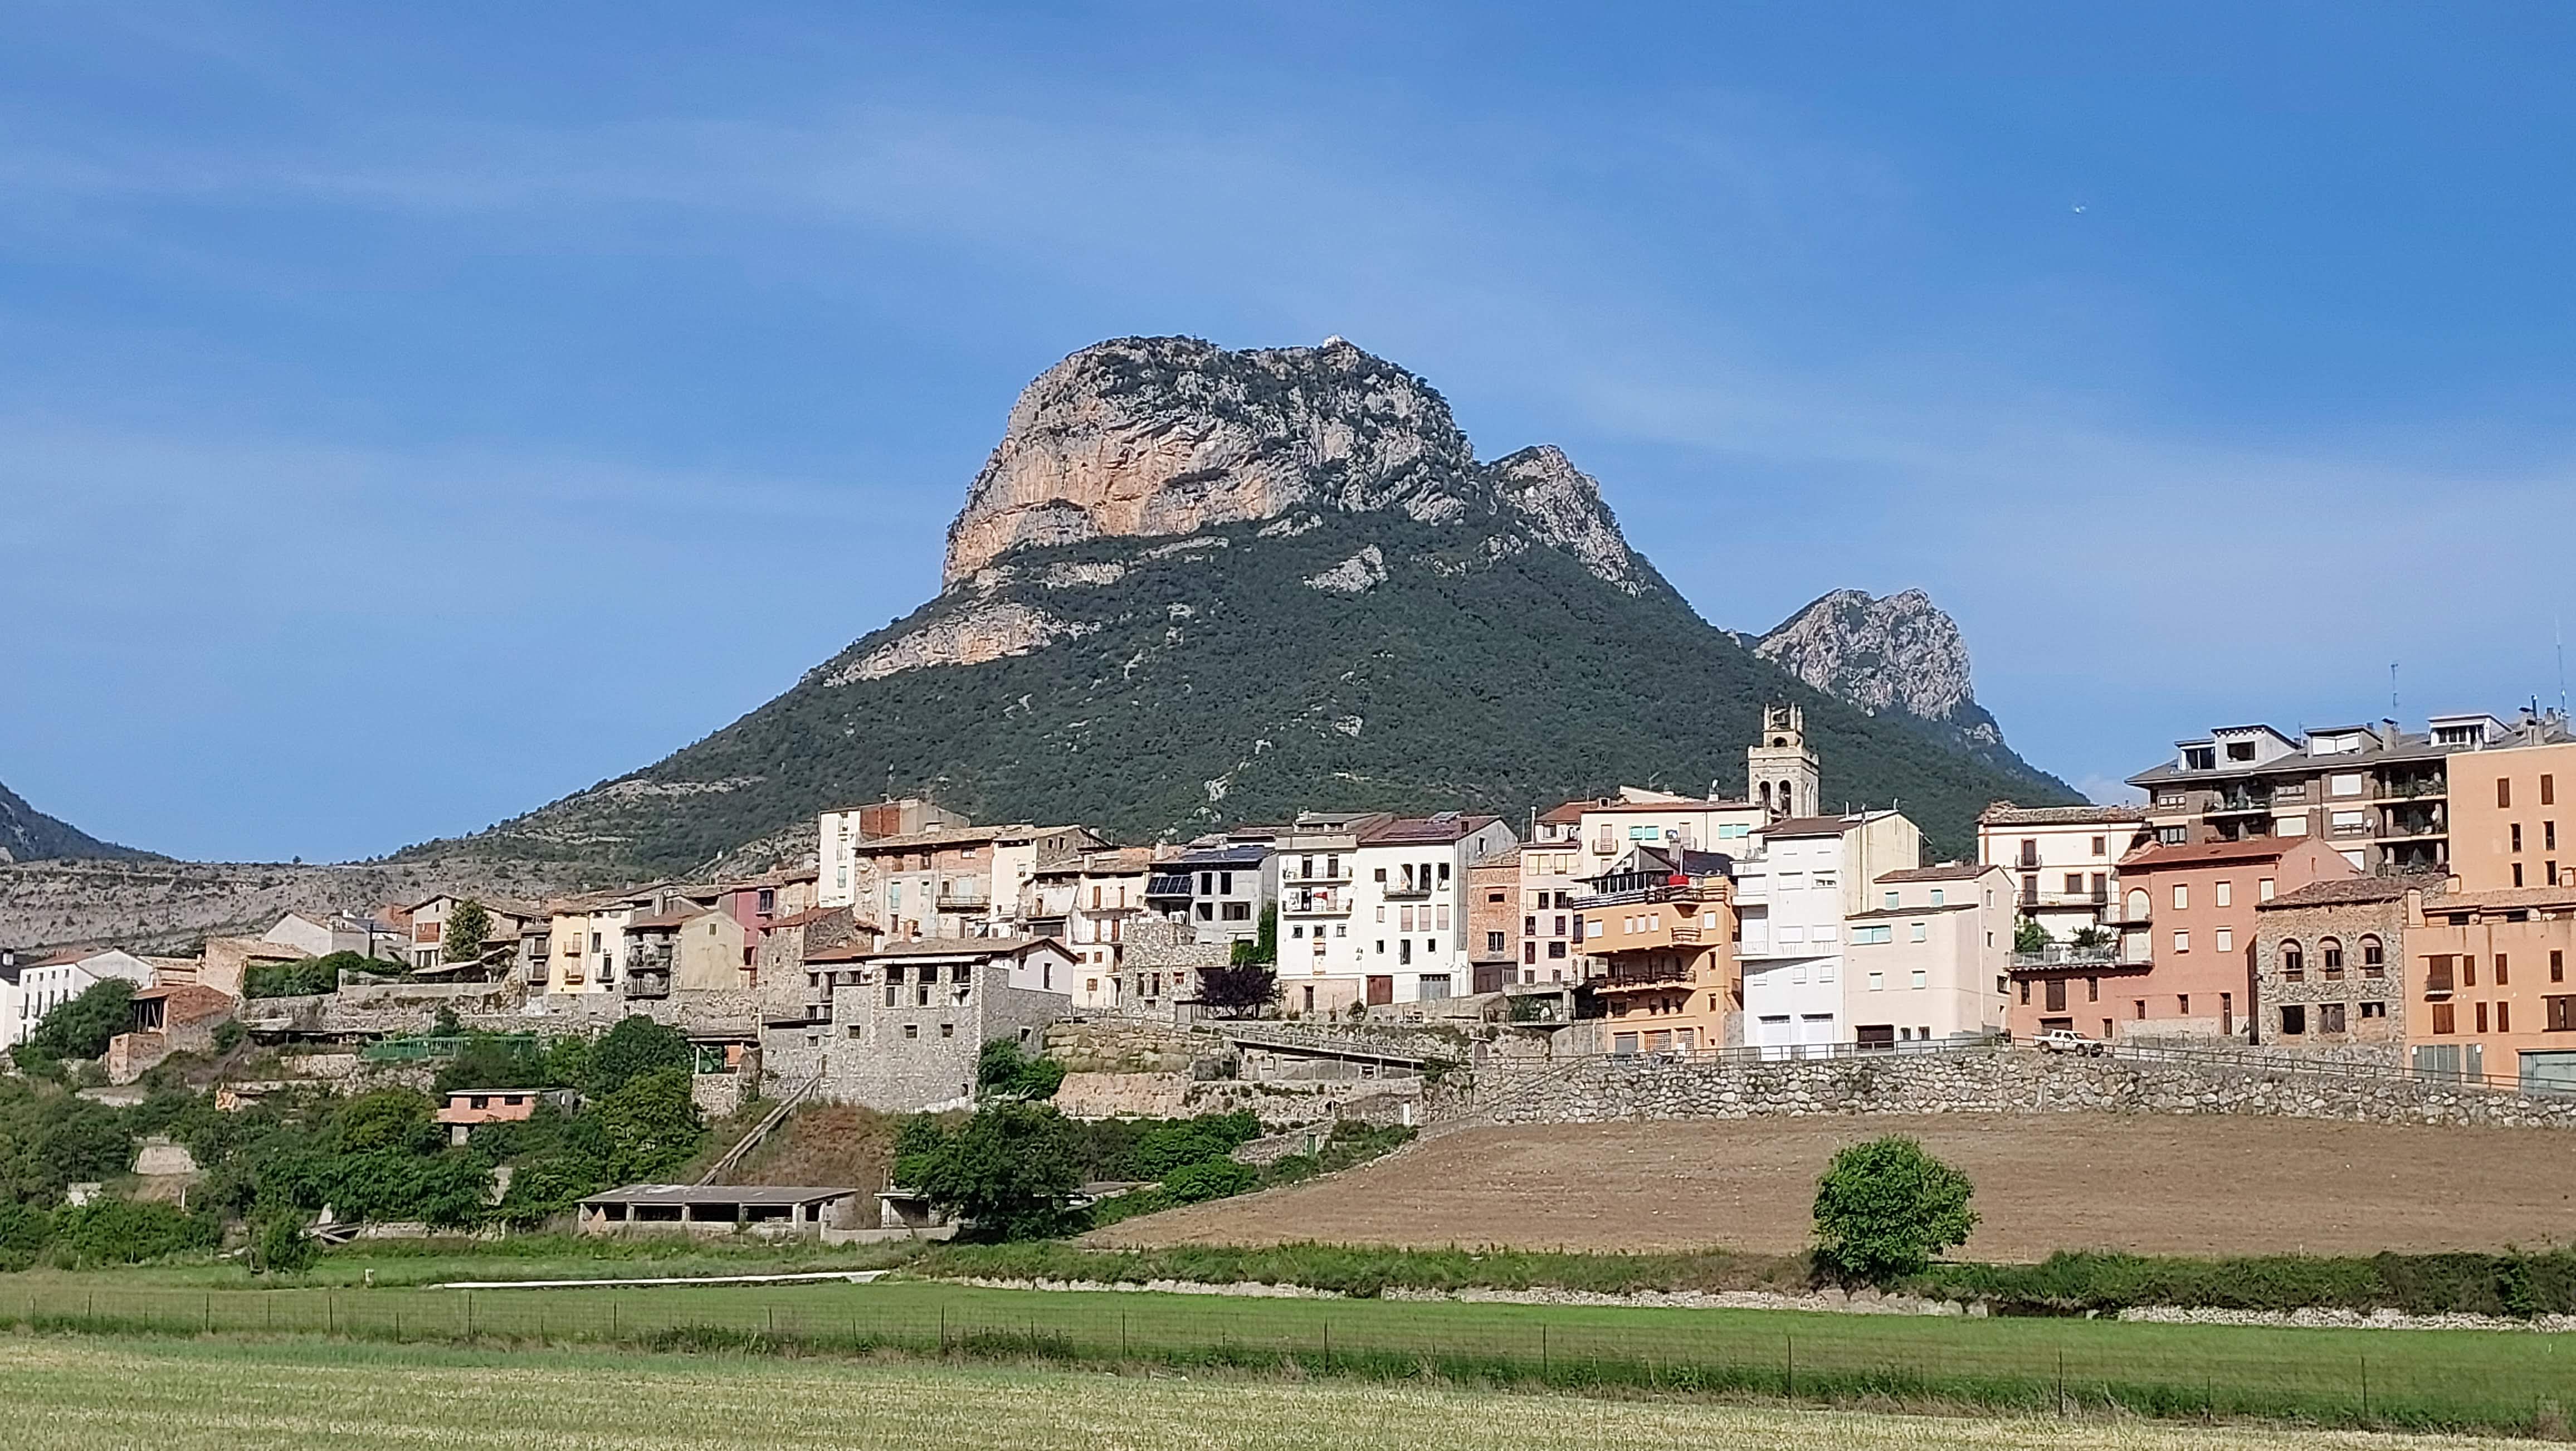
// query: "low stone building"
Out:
[2329,967]
[166,1020]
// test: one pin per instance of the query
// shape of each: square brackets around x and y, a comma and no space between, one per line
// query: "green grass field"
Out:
[95,1393]
[2506,1381]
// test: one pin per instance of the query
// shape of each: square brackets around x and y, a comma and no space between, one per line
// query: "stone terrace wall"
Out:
[1997,1081]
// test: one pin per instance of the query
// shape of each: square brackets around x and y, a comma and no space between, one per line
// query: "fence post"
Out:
[1328,1343]
[2365,1387]
[2061,1382]
[1793,1366]
[943,1330]
[469,1317]
[1542,1350]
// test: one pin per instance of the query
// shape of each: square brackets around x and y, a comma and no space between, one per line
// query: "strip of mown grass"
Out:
[91,1394]
[2465,1380]
[1366,1270]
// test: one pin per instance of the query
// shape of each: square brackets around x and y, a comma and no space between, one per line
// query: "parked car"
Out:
[2067,1040]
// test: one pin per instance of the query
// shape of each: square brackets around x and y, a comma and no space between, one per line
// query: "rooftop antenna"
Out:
[2558,631]
[2392,687]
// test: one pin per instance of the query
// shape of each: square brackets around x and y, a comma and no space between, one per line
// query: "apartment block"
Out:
[1373,907]
[2379,795]
[1806,877]
[1217,889]
[1931,962]
[2510,826]
[2184,964]
[2065,860]
[1660,929]
[1493,922]
[945,879]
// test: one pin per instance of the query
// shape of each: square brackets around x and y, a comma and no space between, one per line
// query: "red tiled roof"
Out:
[1425,830]
[2345,891]
[1952,872]
[2210,853]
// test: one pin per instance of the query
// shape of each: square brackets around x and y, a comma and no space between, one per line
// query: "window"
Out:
[1493,942]
[2294,963]
[1891,901]
[2182,896]
[1938,897]
[2226,940]
[2557,965]
[2517,836]
[2294,1021]
[2501,979]
[2101,846]
[1917,934]
[2548,790]
[2374,958]
[2074,884]
[2182,1004]
[2226,894]
[2504,1017]
[2137,904]
[1920,979]
[2443,1020]
[1555,950]
[2182,941]
[2374,1010]
[2517,870]
[912,1030]
[948,1030]
[2331,949]
[2504,791]
[1878,982]
[2346,783]
[2263,890]
[2329,1017]
[2482,1017]
[2558,1014]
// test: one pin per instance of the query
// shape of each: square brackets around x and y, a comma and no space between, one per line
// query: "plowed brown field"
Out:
[2217,1185]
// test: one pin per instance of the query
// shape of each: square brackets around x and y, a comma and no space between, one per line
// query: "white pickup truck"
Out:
[2067,1040]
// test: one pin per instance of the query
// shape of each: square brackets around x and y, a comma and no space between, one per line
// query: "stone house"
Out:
[1494,921]
[2329,966]
[163,1021]
[903,1032]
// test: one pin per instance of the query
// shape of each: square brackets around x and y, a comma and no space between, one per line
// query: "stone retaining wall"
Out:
[1999,1081]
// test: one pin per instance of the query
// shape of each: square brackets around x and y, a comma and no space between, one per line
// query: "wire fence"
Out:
[2492,1381]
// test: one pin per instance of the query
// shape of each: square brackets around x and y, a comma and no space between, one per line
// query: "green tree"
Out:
[1003,1071]
[282,1246]
[467,925]
[2094,937]
[648,1127]
[1239,989]
[1010,1171]
[636,1046]
[2029,936]
[81,1027]
[1885,1208]
[489,1060]
[389,1118]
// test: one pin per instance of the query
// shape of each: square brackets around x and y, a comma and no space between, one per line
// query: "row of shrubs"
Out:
[2513,1284]
[109,1232]
[1213,1174]
[1368,1271]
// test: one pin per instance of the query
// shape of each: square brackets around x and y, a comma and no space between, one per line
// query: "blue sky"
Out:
[410,414]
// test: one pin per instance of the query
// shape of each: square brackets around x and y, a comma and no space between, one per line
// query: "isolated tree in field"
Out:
[467,925]
[1011,1170]
[1885,1208]
[1238,989]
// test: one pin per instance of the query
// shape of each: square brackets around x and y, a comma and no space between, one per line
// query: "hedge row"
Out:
[2513,1285]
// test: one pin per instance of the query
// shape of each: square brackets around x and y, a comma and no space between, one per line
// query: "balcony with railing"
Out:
[2226,802]
[1639,970]
[2065,956]
[1405,891]
[2432,788]
[962,898]
[1303,901]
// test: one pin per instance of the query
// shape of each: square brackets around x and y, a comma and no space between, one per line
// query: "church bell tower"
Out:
[1780,773]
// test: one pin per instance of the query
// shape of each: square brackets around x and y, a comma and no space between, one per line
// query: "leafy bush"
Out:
[81,1027]
[1884,1208]
[50,1139]
[25,1230]
[1003,1071]
[119,1232]
[308,976]
[2510,1285]
[1210,1179]
[282,1247]
[1183,1142]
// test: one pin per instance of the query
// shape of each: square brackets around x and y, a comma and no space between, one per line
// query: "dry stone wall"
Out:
[1998,1081]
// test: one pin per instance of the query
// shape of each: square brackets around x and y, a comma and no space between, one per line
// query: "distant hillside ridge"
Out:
[29,835]
[1193,587]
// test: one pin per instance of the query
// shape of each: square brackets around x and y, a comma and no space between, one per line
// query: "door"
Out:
[1381,991]
[1875,1037]
[1816,1031]
[2056,995]
[1776,1035]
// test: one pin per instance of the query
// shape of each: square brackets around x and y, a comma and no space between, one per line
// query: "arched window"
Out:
[2137,904]
[2294,963]
[2374,960]
[2332,949]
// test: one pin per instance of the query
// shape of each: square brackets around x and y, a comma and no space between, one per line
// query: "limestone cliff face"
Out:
[1169,436]
[1899,655]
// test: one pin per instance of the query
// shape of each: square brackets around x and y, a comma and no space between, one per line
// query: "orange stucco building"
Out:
[1660,931]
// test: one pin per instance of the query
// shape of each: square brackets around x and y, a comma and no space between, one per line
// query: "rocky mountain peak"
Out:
[27,835]
[1169,436]
[1145,436]
[1895,655]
